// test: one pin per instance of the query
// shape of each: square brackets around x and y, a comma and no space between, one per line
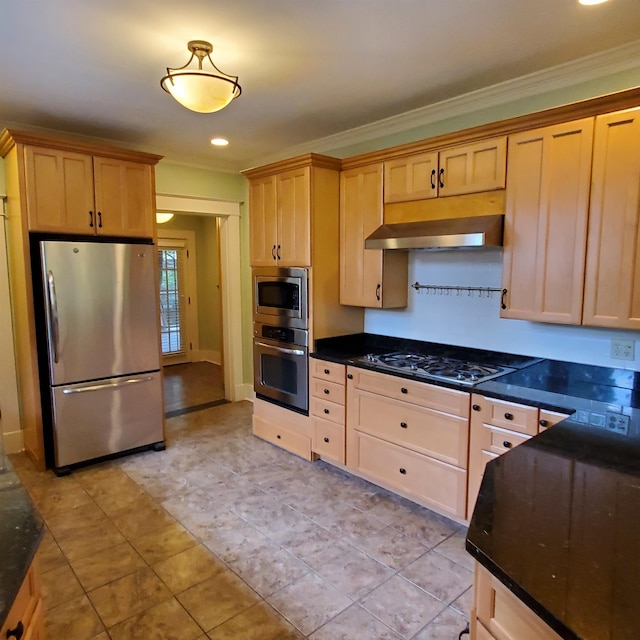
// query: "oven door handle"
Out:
[291,352]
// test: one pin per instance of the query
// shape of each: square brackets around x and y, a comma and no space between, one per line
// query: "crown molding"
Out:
[588,68]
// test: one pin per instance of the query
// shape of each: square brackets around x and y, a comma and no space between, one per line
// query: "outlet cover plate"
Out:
[623,349]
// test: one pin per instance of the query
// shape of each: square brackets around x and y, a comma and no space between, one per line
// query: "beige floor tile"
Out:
[445,626]
[453,548]
[143,517]
[113,490]
[402,606]
[218,599]
[64,524]
[309,603]
[101,636]
[425,526]
[86,541]
[164,621]
[259,622]
[464,603]
[439,576]
[188,568]
[58,586]
[49,554]
[128,596]
[107,565]
[355,573]
[392,548]
[164,543]
[75,619]
[352,623]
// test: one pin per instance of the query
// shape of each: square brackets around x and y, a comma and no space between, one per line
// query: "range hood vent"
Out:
[447,233]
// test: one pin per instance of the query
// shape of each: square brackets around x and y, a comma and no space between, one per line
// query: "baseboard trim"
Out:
[207,355]
[245,392]
[13,441]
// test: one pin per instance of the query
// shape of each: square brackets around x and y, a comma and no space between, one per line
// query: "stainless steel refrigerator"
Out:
[103,350]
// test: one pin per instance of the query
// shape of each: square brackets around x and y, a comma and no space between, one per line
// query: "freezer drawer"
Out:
[96,419]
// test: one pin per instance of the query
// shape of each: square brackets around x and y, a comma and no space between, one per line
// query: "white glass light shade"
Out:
[199,91]
[161,218]
[591,2]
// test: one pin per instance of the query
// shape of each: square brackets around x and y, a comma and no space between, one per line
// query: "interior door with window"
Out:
[172,257]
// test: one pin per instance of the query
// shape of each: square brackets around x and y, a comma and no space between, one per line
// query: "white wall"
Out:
[472,321]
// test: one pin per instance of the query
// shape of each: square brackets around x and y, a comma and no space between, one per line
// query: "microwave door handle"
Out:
[54,330]
[291,352]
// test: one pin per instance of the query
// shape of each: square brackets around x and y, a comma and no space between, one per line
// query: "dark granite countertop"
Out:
[21,530]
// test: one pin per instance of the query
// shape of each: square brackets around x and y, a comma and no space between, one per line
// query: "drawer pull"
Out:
[508,416]
[326,391]
[476,407]
[326,439]
[326,410]
[327,371]
[350,376]
[279,436]
[403,425]
[404,390]
[507,445]
[403,471]
[544,423]
[17,632]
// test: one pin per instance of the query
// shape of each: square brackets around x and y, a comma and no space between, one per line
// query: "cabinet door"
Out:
[294,218]
[124,197]
[263,230]
[473,168]
[612,282]
[368,277]
[546,222]
[59,191]
[411,178]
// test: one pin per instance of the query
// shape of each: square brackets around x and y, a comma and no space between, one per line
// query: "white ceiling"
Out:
[308,68]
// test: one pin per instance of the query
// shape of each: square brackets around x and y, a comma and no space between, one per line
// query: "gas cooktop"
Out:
[434,367]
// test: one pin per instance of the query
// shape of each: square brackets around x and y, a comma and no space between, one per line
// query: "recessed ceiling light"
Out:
[219,142]
[590,2]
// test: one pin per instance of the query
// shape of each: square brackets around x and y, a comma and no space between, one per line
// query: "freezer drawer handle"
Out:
[53,315]
[108,385]
[291,352]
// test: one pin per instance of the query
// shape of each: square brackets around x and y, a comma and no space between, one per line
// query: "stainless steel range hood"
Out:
[447,233]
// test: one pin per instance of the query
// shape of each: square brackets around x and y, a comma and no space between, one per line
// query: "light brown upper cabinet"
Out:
[71,192]
[612,278]
[280,210]
[458,170]
[368,277]
[548,178]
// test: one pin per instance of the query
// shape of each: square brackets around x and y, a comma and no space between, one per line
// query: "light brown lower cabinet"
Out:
[25,618]
[499,615]
[415,446]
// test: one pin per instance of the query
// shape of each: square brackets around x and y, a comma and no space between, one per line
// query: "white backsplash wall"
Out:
[473,321]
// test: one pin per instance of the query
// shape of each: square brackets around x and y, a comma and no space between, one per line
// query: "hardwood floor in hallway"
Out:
[192,386]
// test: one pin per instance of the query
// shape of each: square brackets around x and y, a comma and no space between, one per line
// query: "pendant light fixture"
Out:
[204,90]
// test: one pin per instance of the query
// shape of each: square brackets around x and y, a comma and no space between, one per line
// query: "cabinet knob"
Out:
[476,407]
[326,410]
[404,390]
[403,471]
[91,218]
[326,391]
[279,436]
[544,423]
[507,445]
[17,632]
[350,376]
[403,425]
[327,372]
[508,416]
[326,439]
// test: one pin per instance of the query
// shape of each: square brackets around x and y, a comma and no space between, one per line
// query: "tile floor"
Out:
[192,385]
[225,536]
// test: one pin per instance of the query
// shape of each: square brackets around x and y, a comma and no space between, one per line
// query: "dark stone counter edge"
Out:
[564,632]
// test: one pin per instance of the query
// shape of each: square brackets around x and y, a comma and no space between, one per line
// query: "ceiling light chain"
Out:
[198,89]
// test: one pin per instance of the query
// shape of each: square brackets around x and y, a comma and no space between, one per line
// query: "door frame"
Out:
[190,291]
[230,282]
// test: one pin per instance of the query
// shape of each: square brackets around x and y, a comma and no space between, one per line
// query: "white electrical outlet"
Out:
[623,349]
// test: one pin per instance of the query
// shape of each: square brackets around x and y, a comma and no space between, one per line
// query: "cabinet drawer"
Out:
[322,408]
[25,607]
[297,443]
[326,370]
[508,415]
[420,393]
[503,614]
[442,485]
[437,434]
[328,440]
[498,441]
[325,390]
[549,418]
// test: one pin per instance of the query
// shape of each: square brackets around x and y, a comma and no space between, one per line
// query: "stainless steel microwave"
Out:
[280,296]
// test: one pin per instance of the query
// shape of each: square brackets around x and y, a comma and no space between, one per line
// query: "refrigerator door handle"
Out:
[54,330]
[107,385]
